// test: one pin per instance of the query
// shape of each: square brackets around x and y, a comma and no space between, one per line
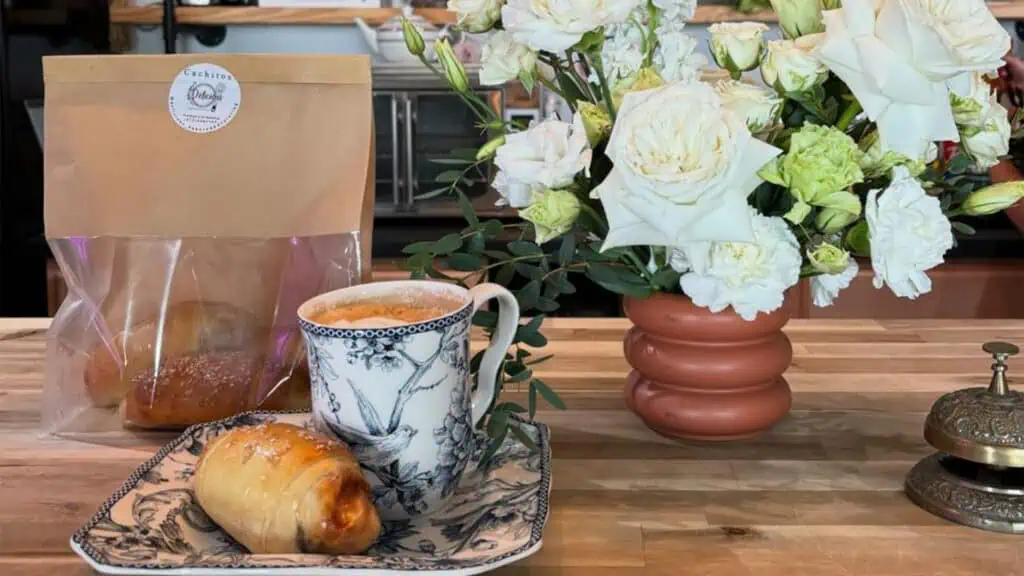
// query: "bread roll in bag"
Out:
[281,489]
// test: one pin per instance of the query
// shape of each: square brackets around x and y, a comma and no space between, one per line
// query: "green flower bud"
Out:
[858,239]
[596,121]
[488,150]
[552,213]
[799,17]
[992,199]
[832,220]
[413,38]
[821,161]
[454,72]
[828,259]
[644,79]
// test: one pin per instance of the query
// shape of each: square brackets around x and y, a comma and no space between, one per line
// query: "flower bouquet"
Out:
[712,199]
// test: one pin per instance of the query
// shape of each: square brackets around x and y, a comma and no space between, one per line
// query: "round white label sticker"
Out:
[204,98]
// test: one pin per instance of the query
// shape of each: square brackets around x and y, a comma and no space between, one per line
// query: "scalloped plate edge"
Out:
[321,571]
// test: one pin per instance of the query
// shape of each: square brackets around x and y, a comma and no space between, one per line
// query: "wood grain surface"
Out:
[1005,9]
[819,495]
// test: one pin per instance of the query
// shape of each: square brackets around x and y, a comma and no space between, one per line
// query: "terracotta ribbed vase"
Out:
[706,376]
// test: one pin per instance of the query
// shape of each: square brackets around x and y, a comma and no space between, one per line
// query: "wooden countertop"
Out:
[820,495]
[267,15]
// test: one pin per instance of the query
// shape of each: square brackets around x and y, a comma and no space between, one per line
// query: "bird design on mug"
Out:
[375,451]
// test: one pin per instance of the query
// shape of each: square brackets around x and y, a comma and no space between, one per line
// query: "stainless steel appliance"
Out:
[418,120]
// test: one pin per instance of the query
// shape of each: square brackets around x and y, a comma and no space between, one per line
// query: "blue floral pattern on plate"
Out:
[153,525]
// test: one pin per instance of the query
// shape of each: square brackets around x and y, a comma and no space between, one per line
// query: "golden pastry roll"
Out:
[282,489]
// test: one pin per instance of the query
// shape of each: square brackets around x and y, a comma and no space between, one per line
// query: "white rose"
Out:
[986,145]
[555,26]
[548,155]
[676,57]
[909,234]
[683,167]
[825,287]
[790,66]
[759,106]
[737,46]
[504,60]
[475,15]
[750,277]
[901,57]
[677,9]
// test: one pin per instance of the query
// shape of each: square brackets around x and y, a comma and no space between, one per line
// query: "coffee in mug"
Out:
[389,370]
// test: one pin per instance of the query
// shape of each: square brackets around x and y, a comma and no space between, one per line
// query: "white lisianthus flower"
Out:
[790,66]
[475,15]
[751,277]
[900,58]
[504,60]
[759,106]
[737,46]
[676,57]
[908,234]
[679,10]
[556,26]
[683,167]
[987,144]
[825,287]
[548,155]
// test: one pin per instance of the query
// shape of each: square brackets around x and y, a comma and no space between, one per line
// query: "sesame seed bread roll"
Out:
[281,489]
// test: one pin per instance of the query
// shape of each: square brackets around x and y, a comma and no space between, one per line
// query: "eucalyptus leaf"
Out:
[535,339]
[513,367]
[510,407]
[665,279]
[528,271]
[496,441]
[419,261]
[497,255]
[524,248]
[532,403]
[550,396]
[452,161]
[467,209]
[485,319]
[567,250]
[418,248]
[505,274]
[465,262]
[474,362]
[497,422]
[523,437]
[959,164]
[540,359]
[521,376]
[492,227]
[436,192]
[476,244]
[448,243]
[528,295]
[449,176]
[546,305]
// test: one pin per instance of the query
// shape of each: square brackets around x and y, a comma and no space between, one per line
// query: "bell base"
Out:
[969,493]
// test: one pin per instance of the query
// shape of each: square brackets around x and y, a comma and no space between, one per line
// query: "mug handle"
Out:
[501,339]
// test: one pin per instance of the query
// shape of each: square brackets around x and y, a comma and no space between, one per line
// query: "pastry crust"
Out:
[281,489]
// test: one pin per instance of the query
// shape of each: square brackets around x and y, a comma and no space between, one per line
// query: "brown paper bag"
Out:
[192,203]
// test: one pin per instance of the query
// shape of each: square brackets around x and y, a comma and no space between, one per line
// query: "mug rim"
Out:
[443,320]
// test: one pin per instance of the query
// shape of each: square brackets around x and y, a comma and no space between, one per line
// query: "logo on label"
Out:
[204,98]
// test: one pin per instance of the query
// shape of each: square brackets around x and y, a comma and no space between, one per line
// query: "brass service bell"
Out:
[977,477]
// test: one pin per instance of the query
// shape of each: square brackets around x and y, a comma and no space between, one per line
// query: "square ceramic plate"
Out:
[153,525]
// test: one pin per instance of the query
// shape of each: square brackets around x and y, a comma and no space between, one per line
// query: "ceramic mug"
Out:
[401,396]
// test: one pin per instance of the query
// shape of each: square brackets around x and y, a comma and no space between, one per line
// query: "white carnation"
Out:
[504,60]
[548,155]
[557,25]
[476,15]
[909,234]
[825,287]
[677,58]
[750,277]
